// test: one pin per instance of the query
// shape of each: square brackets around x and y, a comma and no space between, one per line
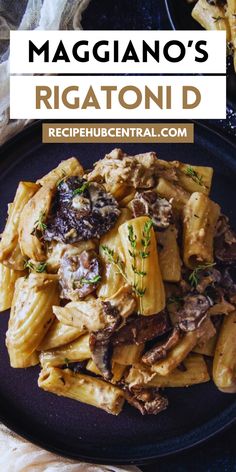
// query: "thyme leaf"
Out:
[39,226]
[194,175]
[194,277]
[38,268]
[92,281]
[81,189]
[115,260]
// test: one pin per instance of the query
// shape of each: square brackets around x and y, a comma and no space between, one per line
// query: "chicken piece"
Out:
[119,172]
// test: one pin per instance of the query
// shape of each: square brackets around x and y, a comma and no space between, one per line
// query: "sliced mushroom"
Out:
[208,277]
[148,203]
[225,242]
[193,312]
[81,211]
[141,329]
[160,350]
[100,345]
[147,400]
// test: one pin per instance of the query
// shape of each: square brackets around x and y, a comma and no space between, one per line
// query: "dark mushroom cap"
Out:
[80,211]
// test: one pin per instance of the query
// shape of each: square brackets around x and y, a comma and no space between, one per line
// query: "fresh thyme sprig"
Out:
[194,277]
[81,189]
[115,260]
[195,176]
[38,268]
[39,226]
[143,254]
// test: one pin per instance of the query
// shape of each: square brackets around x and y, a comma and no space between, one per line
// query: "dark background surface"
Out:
[218,454]
[140,15]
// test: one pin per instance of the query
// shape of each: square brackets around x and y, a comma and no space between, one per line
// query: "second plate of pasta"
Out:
[118,268]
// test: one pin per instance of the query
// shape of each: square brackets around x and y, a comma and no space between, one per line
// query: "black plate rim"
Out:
[186,441]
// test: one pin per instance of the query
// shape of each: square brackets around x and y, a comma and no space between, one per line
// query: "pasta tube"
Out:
[32,224]
[142,265]
[8,278]
[58,335]
[73,352]
[31,315]
[68,168]
[195,178]
[224,364]
[200,218]
[91,367]
[117,370]
[83,388]
[10,253]
[168,190]
[211,17]
[177,354]
[127,354]
[195,373]
[112,281]
[207,348]
[169,258]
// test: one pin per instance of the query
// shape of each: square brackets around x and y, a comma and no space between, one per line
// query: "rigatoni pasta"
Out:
[142,265]
[83,388]
[31,316]
[200,218]
[118,280]
[220,16]
[10,253]
[8,278]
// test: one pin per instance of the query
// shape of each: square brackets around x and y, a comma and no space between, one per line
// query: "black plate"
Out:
[179,12]
[76,430]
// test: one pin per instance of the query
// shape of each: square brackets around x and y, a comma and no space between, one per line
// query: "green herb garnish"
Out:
[38,268]
[81,189]
[39,226]
[115,260]
[195,176]
[143,254]
[92,281]
[195,274]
